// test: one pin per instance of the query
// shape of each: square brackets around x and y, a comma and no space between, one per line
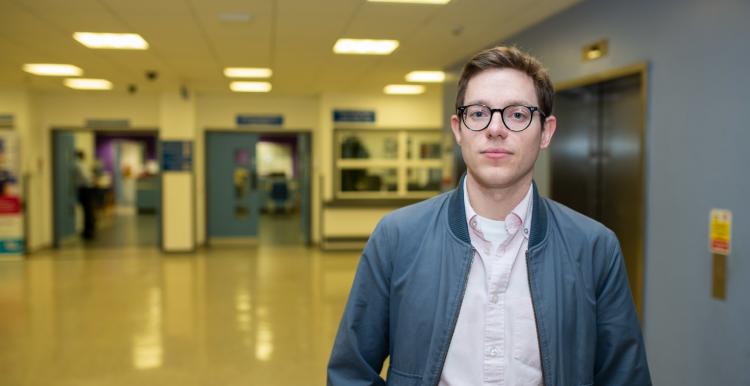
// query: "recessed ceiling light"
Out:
[412,1]
[51,69]
[88,84]
[115,41]
[247,72]
[403,89]
[425,76]
[250,86]
[365,46]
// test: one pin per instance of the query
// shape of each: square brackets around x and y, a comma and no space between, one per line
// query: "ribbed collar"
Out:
[460,228]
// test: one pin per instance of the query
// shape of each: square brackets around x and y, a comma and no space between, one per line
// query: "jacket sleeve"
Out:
[362,340]
[620,352]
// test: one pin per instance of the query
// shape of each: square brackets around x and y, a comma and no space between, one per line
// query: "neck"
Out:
[493,202]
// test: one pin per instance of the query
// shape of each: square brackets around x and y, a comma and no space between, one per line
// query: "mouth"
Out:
[496,153]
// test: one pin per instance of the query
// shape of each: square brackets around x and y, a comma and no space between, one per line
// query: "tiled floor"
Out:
[264,315]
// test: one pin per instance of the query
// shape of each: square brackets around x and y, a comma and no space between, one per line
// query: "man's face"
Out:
[497,157]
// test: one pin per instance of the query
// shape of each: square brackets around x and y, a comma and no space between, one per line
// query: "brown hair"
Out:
[509,57]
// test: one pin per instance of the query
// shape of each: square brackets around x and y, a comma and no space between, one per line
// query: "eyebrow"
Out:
[512,102]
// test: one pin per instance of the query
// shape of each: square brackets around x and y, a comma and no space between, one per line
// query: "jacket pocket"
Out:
[399,378]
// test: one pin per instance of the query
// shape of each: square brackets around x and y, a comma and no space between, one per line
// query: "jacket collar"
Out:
[459,227]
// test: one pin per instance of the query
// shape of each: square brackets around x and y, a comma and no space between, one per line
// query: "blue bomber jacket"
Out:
[411,279]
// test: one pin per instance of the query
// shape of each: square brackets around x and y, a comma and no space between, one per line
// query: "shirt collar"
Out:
[518,218]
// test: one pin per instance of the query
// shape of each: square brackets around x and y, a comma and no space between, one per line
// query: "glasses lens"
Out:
[517,118]
[477,117]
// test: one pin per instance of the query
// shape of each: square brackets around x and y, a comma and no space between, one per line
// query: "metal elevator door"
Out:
[597,161]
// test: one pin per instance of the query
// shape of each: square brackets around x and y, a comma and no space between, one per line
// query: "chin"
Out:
[496,178]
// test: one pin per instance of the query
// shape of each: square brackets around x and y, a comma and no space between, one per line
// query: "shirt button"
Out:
[494,299]
[493,352]
[526,231]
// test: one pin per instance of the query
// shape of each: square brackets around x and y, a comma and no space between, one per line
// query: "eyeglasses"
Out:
[514,117]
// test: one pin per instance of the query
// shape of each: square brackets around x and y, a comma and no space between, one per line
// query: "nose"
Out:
[497,127]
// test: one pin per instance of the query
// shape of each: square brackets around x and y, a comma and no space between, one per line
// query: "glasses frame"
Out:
[461,112]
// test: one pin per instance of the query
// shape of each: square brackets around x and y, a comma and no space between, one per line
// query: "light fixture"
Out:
[425,76]
[51,69]
[247,72]
[412,1]
[365,46]
[88,84]
[250,86]
[403,89]
[117,41]
[595,50]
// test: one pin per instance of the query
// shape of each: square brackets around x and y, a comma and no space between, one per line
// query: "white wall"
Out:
[177,122]
[37,117]
[275,158]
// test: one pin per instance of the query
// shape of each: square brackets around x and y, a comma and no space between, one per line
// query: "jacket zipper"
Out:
[458,310]
[536,321]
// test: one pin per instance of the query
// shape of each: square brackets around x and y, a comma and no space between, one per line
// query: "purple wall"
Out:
[105,142]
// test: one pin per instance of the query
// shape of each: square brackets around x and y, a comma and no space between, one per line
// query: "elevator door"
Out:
[596,157]
[233,197]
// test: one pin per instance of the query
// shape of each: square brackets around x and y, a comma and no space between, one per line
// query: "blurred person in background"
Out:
[86,195]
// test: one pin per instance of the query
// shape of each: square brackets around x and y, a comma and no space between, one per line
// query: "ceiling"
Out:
[190,44]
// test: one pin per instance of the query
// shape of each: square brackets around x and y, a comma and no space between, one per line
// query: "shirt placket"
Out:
[500,266]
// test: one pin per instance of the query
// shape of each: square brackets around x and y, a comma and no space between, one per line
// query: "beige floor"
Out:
[265,315]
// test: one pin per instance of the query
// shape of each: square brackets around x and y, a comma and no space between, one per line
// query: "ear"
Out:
[456,128]
[550,124]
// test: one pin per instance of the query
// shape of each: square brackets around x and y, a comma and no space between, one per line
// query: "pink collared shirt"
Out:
[495,340]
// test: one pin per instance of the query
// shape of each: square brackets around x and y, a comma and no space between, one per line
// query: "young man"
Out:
[491,284]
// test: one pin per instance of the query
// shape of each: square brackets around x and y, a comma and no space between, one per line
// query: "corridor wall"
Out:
[696,134]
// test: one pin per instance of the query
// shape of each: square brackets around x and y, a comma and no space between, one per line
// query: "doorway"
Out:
[121,174]
[258,188]
[597,161]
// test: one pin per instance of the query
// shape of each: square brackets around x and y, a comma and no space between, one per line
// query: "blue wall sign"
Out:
[259,120]
[176,155]
[354,116]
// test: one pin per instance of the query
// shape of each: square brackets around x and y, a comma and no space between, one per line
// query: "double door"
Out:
[597,161]
[235,192]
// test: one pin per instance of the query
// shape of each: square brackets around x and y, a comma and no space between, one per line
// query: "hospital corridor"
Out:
[380,192]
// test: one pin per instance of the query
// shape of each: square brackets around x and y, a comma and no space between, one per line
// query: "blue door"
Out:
[64,189]
[233,198]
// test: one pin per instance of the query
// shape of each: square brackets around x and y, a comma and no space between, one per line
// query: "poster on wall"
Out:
[176,156]
[11,215]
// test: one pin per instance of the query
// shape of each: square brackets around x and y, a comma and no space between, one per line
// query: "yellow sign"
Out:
[720,231]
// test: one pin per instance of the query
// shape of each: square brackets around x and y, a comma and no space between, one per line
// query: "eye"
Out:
[518,113]
[477,112]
